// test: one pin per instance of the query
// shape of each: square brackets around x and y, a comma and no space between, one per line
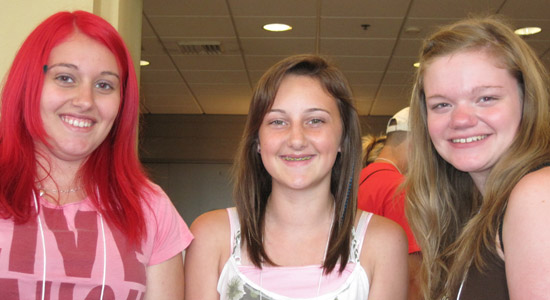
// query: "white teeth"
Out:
[76,122]
[296,158]
[469,139]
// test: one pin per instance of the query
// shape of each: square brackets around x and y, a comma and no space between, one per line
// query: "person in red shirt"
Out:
[379,192]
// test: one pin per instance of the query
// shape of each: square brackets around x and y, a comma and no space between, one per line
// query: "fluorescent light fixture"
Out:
[527,30]
[416,64]
[277,27]
[143,63]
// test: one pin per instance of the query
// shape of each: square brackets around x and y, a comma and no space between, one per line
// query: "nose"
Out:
[297,139]
[84,97]
[463,116]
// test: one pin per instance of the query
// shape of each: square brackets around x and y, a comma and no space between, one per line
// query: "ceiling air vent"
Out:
[200,48]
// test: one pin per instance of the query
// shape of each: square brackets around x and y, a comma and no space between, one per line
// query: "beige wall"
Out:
[20,17]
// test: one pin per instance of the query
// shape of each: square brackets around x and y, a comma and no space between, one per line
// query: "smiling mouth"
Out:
[297,158]
[469,139]
[81,123]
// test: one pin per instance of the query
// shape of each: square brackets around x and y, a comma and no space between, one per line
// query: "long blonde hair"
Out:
[454,224]
[372,146]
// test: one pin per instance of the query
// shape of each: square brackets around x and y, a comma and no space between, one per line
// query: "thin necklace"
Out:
[391,162]
[322,270]
[67,191]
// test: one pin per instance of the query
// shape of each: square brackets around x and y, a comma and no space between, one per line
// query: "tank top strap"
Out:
[358,235]
[235,234]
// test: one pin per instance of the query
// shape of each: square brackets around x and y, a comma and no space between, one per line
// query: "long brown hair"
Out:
[455,225]
[252,183]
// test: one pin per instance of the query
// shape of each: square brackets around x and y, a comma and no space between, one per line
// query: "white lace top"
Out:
[243,282]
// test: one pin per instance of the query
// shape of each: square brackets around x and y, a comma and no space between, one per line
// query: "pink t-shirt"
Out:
[79,258]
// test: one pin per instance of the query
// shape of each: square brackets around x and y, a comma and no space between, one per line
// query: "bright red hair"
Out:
[112,175]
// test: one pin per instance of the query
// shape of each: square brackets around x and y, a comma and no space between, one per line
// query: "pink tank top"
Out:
[239,281]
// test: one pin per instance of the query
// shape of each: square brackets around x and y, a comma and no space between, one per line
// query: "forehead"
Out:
[465,70]
[80,47]
[303,89]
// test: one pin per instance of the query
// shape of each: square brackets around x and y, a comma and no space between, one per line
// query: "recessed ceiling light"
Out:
[527,30]
[277,27]
[416,64]
[143,63]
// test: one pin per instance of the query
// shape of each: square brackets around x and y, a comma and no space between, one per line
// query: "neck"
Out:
[295,208]
[58,180]
[479,179]
[389,161]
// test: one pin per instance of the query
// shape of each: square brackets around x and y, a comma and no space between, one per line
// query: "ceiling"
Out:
[377,61]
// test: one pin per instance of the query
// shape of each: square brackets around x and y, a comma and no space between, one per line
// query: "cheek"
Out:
[435,127]
[109,108]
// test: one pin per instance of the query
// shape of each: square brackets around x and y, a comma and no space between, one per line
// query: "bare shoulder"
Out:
[383,234]
[532,185]
[207,254]
[382,237]
[526,223]
[202,227]
[530,196]
[529,204]
[384,257]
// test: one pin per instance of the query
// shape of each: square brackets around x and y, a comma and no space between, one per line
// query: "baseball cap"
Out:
[399,121]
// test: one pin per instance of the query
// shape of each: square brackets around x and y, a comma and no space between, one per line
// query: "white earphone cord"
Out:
[44,250]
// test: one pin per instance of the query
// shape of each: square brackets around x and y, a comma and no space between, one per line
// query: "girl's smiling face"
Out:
[300,135]
[474,109]
[80,97]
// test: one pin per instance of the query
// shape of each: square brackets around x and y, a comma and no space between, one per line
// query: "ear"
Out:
[259,150]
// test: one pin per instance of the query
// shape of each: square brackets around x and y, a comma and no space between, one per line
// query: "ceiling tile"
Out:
[452,8]
[273,8]
[218,77]
[151,90]
[177,26]
[160,76]
[408,47]
[262,62]
[365,8]
[388,107]
[399,77]
[402,64]
[279,46]
[359,47]
[157,62]
[187,7]
[363,78]
[351,27]
[531,9]
[364,92]
[209,62]
[223,99]
[361,63]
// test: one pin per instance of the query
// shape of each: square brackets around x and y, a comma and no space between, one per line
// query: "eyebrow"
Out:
[307,110]
[474,91]
[72,66]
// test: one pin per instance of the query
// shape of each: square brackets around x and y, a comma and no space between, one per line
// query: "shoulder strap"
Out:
[235,233]
[359,235]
